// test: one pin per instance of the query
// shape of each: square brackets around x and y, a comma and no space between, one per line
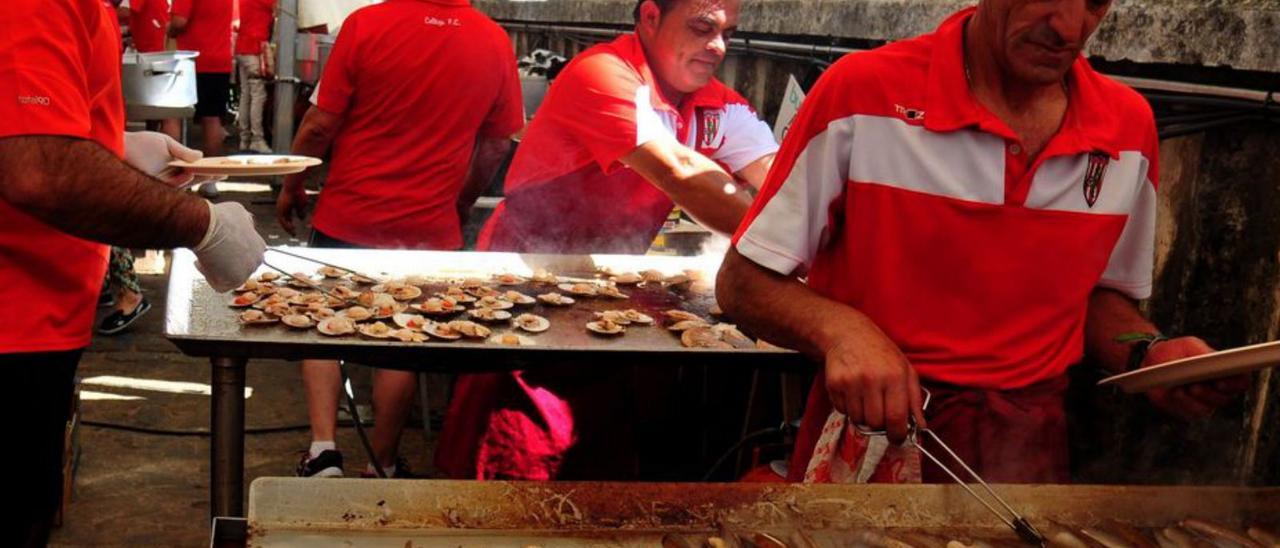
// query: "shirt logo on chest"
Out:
[1093,176]
[710,129]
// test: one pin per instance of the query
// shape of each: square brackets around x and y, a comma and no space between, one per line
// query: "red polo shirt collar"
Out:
[950,105]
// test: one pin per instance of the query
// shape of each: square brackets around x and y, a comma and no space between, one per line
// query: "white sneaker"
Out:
[260,147]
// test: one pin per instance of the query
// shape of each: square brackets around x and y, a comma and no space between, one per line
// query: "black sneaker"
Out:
[106,298]
[328,464]
[118,321]
[402,471]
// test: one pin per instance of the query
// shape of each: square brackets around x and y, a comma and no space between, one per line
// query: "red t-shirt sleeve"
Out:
[43,83]
[333,93]
[506,117]
[605,106]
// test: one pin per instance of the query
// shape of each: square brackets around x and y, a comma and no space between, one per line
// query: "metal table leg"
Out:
[226,481]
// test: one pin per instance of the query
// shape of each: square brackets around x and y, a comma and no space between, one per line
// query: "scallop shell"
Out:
[555,299]
[494,303]
[685,325]
[626,278]
[408,335]
[702,337]
[331,272]
[489,314]
[298,321]
[410,321]
[356,313]
[518,298]
[470,329]
[581,289]
[681,315]
[443,331]
[256,317]
[335,326]
[532,323]
[635,316]
[509,279]
[406,292]
[511,339]
[244,299]
[606,327]
[375,330]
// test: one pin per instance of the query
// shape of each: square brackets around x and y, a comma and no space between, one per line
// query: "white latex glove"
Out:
[231,249]
[150,152]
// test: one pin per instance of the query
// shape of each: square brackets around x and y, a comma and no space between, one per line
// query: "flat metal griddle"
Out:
[200,323]
[300,511]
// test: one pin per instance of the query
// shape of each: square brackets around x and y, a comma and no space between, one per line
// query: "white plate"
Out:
[248,165]
[1226,363]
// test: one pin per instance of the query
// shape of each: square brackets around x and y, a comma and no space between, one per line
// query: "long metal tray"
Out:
[310,512]
[200,323]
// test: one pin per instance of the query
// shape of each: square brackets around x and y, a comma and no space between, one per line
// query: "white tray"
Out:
[1217,365]
[248,165]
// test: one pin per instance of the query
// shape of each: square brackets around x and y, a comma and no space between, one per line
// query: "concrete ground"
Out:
[149,489]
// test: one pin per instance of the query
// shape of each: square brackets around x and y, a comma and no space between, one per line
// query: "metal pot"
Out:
[159,79]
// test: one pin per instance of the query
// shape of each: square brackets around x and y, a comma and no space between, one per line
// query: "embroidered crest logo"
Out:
[1093,176]
[710,128]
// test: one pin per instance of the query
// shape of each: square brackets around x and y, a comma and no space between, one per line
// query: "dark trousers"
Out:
[36,404]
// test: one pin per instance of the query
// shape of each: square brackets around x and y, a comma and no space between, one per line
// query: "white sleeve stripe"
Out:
[794,220]
[746,138]
[649,125]
[1133,257]
[765,255]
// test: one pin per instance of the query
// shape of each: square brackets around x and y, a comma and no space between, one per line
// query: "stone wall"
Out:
[1241,34]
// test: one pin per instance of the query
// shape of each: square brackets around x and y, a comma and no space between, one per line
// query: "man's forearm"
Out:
[712,198]
[784,311]
[694,182]
[1110,315]
[485,162]
[81,188]
[313,139]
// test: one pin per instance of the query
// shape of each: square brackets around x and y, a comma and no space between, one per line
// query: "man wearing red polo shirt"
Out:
[974,210]
[148,24]
[256,18]
[71,177]
[629,129]
[414,138]
[205,26]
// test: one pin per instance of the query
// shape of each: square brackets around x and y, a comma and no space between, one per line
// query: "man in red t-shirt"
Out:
[628,130]
[148,24]
[205,26]
[974,210]
[414,140]
[70,177]
[256,20]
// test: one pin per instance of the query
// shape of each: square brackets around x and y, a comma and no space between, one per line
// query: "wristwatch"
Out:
[1139,345]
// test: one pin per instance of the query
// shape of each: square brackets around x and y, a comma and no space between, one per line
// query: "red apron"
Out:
[1006,436]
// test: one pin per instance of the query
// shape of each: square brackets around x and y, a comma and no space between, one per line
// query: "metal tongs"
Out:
[1013,519]
[308,281]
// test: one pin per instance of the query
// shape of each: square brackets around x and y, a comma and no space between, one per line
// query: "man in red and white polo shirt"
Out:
[415,138]
[629,129]
[974,210]
[70,177]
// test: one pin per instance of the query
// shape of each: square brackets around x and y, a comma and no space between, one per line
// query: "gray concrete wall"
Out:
[1241,34]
